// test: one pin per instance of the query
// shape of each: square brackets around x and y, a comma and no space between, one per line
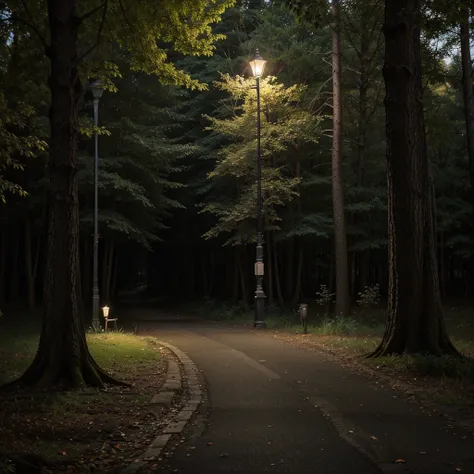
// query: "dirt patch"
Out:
[85,431]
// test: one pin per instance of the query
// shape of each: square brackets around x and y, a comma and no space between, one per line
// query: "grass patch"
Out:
[71,427]
[117,352]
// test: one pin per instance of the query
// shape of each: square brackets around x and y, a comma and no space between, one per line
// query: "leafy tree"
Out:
[141,29]
[139,153]
[288,127]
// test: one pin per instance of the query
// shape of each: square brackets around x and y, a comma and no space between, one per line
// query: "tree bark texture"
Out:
[3,261]
[415,321]
[468,89]
[269,276]
[340,238]
[63,358]
[29,265]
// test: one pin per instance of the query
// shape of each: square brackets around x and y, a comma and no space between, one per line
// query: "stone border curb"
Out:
[166,395]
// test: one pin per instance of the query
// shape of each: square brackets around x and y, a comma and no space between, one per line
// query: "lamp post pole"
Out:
[259,322]
[97,93]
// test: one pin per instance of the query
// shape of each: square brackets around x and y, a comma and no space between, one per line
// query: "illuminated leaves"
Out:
[285,125]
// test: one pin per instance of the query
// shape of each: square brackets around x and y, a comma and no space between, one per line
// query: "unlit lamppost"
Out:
[257,65]
[97,91]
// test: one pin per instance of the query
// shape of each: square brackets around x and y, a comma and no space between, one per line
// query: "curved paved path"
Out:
[276,408]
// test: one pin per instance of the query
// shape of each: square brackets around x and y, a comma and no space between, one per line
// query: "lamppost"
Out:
[97,91]
[257,65]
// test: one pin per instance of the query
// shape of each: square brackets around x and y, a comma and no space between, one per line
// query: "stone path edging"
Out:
[166,395]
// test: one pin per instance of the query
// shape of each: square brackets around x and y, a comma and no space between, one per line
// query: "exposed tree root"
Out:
[51,375]
[390,347]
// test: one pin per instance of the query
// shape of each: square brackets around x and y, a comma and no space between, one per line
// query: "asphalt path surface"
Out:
[277,408]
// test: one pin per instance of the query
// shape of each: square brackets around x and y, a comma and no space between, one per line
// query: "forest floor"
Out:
[87,430]
[446,381]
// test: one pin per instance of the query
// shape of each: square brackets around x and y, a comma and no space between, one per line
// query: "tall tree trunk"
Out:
[290,269]
[113,287]
[364,262]
[14,274]
[442,265]
[86,273]
[107,263]
[243,279]
[299,273]
[340,238]
[212,274]
[63,358]
[277,275]
[29,265]
[3,261]
[269,259]
[235,273]
[415,321]
[468,90]
[204,259]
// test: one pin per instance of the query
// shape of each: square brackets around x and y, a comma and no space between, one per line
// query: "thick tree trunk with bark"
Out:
[3,261]
[340,239]
[415,321]
[276,268]
[113,287]
[29,265]
[63,358]
[14,273]
[468,89]
[269,276]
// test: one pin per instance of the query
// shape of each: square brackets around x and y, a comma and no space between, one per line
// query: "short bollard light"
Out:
[304,317]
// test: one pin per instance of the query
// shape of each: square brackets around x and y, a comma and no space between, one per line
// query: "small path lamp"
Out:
[97,91]
[258,65]
[107,319]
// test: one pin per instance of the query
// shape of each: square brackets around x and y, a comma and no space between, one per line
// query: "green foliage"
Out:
[338,326]
[6,465]
[137,157]
[21,95]
[325,297]
[286,126]
[315,12]
[369,296]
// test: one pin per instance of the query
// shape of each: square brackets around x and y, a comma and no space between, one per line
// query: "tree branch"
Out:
[92,12]
[99,33]
[29,25]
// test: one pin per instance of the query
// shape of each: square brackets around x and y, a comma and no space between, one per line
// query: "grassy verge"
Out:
[86,427]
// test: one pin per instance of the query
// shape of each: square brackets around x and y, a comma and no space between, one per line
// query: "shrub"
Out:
[369,297]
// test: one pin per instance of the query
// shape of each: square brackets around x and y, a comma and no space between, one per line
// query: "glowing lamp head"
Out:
[106,310]
[257,64]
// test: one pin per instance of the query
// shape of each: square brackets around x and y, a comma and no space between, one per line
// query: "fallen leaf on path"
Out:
[459,469]
[374,438]
[210,443]
[400,461]
[423,453]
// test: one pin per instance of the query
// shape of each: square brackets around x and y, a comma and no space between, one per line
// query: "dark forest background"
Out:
[177,167]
